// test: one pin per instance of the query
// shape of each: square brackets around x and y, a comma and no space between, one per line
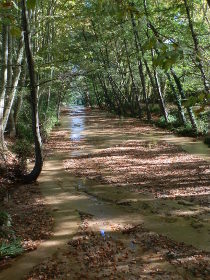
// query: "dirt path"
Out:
[125,215]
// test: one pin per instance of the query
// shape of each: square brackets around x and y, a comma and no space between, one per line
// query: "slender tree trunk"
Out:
[181,92]
[11,124]
[110,104]
[96,93]
[196,47]
[105,59]
[140,66]
[178,100]
[34,101]
[58,106]
[135,94]
[9,79]
[13,85]
[3,81]
[48,96]
[176,79]
[19,100]
[161,98]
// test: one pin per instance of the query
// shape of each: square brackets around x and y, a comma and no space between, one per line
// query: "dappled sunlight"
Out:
[126,204]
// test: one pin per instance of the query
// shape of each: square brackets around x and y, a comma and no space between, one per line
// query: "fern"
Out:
[10,249]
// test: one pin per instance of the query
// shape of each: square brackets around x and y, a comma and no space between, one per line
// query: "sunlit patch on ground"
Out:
[31,220]
[122,172]
[132,253]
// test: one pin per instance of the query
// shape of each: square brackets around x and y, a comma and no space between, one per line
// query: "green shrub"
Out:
[172,121]
[5,219]
[202,121]
[186,130]
[23,148]
[10,249]
[24,131]
[155,109]
[5,225]
[47,126]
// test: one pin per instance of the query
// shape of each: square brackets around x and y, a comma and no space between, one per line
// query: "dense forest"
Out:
[144,59]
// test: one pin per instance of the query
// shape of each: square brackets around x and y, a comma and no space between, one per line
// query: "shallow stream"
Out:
[111,208]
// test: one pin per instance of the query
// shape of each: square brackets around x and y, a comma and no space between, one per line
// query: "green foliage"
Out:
[23,148]
[186,130]
[9,245]
[5,225]
[31,4]
[15,31]
[155,109]
[171,121]
[5,219]
[24,131]
[202,121]
[10,249]
[50,122]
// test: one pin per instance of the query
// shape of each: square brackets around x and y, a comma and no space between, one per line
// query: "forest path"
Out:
[109,209]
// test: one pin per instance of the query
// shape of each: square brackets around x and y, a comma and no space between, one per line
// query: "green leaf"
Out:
[150,44]
[15,31]
[191,101]
[31,4]
[201,97]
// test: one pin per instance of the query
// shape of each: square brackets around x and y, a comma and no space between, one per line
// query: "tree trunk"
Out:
[110,104]
[11,124]
[196,47]
[34,101]
[140,66]
[3,87]
[181,92]
[178,100]
[17,109]
[13,85]
[58,106]
[161,99]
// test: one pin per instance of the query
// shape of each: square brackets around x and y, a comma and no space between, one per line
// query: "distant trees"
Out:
[142,53]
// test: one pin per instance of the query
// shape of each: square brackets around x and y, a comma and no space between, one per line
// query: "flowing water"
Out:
[70,196]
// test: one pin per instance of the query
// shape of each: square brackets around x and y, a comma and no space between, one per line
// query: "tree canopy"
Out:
[134,58]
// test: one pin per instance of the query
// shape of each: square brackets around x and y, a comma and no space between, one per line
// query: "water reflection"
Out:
[77,121]
[105,202]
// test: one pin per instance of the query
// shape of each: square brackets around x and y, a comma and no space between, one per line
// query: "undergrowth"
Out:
[174,125]
[10,246]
